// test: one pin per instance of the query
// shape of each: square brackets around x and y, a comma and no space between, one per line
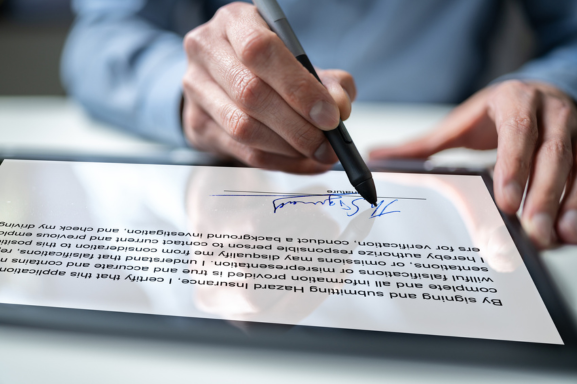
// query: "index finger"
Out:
[263,52]
[514,109]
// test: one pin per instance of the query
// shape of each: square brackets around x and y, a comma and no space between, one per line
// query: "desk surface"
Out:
[55,126]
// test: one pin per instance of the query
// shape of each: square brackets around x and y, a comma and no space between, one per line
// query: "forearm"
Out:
[128,72]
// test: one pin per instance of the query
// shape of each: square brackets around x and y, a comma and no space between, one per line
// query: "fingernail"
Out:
[325,115]
[568,225]
[324,153]
[539,229]
[513,193]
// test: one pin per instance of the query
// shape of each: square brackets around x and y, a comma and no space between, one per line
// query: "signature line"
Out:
[331,200]
[271,194]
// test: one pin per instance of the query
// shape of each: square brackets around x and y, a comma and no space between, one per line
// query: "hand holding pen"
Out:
[247,97]
[339,138]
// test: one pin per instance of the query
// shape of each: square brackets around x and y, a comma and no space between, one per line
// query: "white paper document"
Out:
[433,257]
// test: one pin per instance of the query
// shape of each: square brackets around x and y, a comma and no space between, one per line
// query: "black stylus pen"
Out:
[348,154]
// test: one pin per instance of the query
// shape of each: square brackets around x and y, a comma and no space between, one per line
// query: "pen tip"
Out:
[368,191]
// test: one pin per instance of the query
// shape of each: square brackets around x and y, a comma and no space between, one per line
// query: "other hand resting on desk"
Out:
[534,128]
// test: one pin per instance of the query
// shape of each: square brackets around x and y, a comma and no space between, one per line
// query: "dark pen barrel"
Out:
[355,167]
[341,142]
[339,138]
[304,60]
[352,162]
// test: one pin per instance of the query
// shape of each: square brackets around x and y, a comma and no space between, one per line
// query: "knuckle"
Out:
[565,111]
[224,12]
[240,126]
[190,86]
[522,126]
[344,77]
[348,77]
[227,11]
[187,84]
[350,86]
[297,90]
[196,128]
[515,84]
[559,150]
[193,40]
[350,81]
[256,48]
[307,139]
[248,90]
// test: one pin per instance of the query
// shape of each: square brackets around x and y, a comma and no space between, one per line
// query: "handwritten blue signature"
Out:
[331,200]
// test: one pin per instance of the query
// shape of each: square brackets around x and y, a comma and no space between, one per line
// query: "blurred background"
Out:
[32,34]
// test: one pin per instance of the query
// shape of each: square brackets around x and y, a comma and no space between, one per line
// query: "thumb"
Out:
[341,87]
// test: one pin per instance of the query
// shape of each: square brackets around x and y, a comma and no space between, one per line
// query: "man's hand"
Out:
[246,96]
[534,127]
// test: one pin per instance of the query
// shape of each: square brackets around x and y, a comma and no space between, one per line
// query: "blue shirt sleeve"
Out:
[555,26]
[124,60]
[125,66]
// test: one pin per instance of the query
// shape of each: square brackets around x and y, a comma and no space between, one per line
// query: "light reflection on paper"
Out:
[278,306]
[433,258]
